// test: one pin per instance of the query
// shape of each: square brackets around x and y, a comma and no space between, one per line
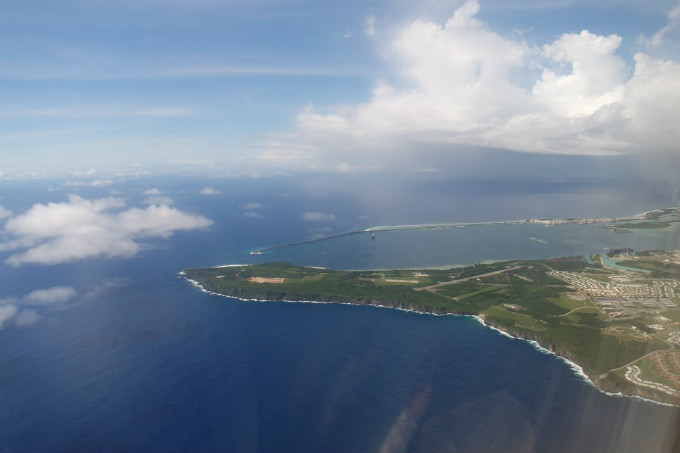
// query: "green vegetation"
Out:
[653,220]
[658,269]
[568,263]
[658,213]
[543,300]
[596,259]
[323,285]
[645,225]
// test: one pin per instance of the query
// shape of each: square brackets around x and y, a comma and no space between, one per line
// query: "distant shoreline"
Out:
[548,223]
[525,299]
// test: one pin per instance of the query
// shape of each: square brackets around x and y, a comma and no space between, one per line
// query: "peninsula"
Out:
[620,323]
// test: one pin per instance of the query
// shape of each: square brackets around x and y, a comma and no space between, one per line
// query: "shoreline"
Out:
[575,367]
[434,226]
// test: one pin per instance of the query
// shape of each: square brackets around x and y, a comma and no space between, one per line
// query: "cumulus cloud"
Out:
[7,312]
[576,96]
[95,183]
[101,182]
[209,191]
[80,228]
[153,191]
[4,212]
[19,317]
[12,309]
[49,296]
[88,172]
[596,78]
[318,217]
[26,318]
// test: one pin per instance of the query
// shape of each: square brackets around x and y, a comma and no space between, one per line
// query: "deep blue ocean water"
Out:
[143,361]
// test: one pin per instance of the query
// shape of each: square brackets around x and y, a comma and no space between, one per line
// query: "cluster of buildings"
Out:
[596,288]
[620,298]
[554,222]
[633,375]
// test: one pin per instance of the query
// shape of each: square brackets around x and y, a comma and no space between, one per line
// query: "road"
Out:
[434,287]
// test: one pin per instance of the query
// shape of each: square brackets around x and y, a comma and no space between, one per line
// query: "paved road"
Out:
[432,288]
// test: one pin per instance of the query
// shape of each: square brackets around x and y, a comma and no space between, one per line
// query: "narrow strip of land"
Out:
[433,288]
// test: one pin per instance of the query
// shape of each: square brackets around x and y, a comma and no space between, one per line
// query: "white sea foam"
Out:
[577,369]
[574,366]
[482,322]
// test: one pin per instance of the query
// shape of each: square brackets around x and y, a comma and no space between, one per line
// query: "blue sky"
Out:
[267,86]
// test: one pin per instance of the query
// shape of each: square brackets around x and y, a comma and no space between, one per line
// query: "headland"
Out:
[620,325]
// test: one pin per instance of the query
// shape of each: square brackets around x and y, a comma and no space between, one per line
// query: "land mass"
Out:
[621,324]
[656,219]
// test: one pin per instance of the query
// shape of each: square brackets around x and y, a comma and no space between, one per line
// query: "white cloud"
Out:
[153,191]
[251,206]
[88,172]
[75,184]
[159,221]
[596,78]
[101,182]
[49,296]
[577,96]
[80,228]
[209,191]
[7,312]
[26,318]
[95,183]
[318,217]
[14,308]
[673,23]
[253,215]
[4,212]
[653,103]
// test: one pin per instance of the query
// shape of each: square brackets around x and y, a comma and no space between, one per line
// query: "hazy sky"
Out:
[257,86]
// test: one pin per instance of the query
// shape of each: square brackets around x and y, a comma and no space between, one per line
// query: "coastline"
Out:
[548,223]
[575,367]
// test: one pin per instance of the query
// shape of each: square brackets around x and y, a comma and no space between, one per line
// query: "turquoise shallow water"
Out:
[469,245]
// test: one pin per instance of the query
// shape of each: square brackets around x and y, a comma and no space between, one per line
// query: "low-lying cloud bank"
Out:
[13,309]
[573,96]
[78,229]
[49,296]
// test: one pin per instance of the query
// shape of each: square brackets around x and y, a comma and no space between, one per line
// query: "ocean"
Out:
[141,360]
